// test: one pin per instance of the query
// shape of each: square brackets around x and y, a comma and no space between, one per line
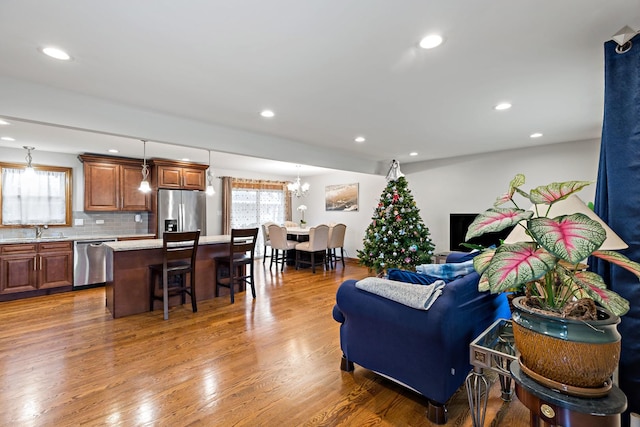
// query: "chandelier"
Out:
[298,189]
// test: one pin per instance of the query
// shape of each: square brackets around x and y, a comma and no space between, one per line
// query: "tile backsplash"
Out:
[93,224]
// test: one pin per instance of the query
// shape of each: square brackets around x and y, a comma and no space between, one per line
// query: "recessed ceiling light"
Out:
[502,106]
[535,135]
[360,139]
[56,53]
[267,113]
[7,138]
[184,159]
[112,150]
[4,123]
[431,41]
[413,153]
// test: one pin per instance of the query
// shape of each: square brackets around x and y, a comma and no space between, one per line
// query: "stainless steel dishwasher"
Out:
[89,262]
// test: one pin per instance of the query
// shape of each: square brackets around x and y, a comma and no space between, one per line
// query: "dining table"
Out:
[299,233]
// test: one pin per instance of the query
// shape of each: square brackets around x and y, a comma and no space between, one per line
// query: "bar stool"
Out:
[336,241]
[279,243]
[231,269]
[179,251]
[316,248]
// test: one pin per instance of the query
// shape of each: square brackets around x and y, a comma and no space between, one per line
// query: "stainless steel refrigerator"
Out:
[181,210]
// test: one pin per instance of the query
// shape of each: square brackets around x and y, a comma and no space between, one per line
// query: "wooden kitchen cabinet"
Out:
[55,267]
[111,184]
[29,269]
[179,175]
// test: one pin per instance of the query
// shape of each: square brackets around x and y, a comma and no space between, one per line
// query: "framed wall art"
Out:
[342,197]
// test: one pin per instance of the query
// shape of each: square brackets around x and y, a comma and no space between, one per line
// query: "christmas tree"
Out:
[397,237]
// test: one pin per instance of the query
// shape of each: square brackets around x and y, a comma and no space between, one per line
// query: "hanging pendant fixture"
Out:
[29,172]
[298,189]
[210,190]
[144,184]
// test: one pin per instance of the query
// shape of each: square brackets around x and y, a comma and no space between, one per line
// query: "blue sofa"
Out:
[427,351]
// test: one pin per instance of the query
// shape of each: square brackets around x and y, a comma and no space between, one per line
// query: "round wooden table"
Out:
[549,407]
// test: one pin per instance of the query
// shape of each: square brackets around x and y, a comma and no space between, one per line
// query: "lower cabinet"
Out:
[35,268]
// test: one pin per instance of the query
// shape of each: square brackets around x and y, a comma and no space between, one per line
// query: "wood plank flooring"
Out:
[272,361]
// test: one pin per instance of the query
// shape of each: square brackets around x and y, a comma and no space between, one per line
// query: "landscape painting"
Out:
[342,197]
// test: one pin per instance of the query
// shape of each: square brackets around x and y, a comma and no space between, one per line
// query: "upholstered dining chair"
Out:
[336,241]
[290,224]
[280,246]
[179,251]
[315,248]
[265,237]
[236,268]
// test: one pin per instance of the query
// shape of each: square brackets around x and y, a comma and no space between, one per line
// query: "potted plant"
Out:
[558,308]
[302,208]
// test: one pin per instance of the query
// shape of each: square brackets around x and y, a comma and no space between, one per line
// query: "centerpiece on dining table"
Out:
[303,223]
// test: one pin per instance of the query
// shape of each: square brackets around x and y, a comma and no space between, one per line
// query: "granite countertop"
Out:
[134,245]
[63,238]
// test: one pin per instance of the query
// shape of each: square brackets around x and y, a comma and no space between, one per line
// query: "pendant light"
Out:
[29,172]
[210,190]
[144,184]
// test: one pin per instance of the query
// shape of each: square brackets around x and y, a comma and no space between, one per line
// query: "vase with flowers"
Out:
[565,321]
[302,208]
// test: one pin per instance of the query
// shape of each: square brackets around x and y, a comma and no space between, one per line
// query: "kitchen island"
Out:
[127,265]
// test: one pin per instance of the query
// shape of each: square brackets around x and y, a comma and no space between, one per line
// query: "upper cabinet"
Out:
[111,184]
[178,175]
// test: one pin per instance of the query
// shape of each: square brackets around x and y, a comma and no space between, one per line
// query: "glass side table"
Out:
[493,349]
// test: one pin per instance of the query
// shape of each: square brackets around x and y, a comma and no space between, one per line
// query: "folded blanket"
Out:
[415,296]
[448,271]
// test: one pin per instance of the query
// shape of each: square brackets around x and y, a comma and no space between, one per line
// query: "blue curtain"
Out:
[618,199]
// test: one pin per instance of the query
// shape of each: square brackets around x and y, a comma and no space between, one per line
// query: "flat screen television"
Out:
[458,225]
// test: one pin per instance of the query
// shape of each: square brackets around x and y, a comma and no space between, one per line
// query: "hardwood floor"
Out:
[272,361]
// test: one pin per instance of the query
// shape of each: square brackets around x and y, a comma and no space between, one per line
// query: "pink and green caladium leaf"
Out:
[571,238]
[496,219]
[480,264]
[619,260]
[513,265]
[547,194]
[482,260]
[516,182]
[597,290]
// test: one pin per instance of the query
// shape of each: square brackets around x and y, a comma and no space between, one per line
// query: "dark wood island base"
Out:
[127,285]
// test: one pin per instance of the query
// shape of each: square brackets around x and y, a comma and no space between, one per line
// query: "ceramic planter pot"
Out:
[574,354]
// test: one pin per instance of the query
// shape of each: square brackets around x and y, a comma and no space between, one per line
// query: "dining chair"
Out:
[231,269]
[179,249]
[267,241]
[279,242]
[289,224]
[315,248]
[336,241]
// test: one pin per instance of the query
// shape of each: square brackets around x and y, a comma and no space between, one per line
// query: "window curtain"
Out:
[226,205]
[249,203]
[40,199]
[617,199]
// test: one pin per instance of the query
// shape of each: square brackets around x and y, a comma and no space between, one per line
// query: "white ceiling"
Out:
[330,69]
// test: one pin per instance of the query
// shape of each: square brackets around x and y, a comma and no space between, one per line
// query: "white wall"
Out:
[369,190]
[468,184]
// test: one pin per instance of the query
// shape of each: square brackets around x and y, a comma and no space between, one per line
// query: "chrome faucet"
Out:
[40,229]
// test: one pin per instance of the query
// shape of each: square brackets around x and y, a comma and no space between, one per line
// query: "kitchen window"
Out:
[42,198]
